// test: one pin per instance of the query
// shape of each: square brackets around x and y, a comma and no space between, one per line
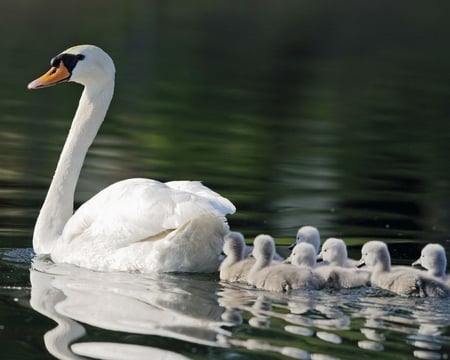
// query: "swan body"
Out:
[334,252]
[278,277]
[308,234]
[405,282]
[434,259]
[235,267]
[132,225]
[335,276]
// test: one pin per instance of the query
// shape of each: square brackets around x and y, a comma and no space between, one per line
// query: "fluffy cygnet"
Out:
[278,277]
[434,259]
[235,268]
[338,277]
[308,234]
[334,252]
[406,282]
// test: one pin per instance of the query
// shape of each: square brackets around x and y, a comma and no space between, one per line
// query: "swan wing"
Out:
[143,209]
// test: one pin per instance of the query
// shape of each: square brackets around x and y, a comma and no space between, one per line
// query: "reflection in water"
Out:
[223,319]
[133,303]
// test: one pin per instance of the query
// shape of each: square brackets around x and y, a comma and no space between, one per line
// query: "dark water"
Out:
[299,112]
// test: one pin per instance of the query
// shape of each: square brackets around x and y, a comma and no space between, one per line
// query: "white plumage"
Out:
[132,225]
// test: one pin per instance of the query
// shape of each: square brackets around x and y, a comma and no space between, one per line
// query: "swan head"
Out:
[433,259]
[263,247]
[87,65]
[308,234]
[334,251]
[375,254]
[234,244]
[303,254]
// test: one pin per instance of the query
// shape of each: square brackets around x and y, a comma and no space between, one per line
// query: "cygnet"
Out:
[234,268]
[278,277]
[406,282]
[338,277]
[334,252]
[434,259]
[308,234]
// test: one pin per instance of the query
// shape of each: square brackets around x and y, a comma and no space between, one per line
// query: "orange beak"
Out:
[54,76]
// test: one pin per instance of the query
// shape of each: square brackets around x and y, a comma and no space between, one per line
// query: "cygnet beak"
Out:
[361,263]
[417,263]
[292,246]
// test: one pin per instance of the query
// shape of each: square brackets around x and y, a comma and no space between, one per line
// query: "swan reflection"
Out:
[165,305]
[200,310]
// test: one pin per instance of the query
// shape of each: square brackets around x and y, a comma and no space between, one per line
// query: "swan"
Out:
[278,277]
[304,255]
[234,268]
[308,234]
[334,252]
[406,282]
[132,225]
[434,259]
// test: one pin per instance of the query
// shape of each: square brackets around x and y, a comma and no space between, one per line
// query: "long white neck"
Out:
[58,204]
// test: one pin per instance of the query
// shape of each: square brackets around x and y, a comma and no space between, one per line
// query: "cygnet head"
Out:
[308,234]
[375,254]
[263,248]
[303,254]
[334,252]
[434,259]
[234,245]
[85,64]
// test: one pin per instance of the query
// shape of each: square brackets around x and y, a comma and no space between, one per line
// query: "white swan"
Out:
[132,225]
[308,234]
[434,259]
[235,268]
[406,282]
[278,277]
[334,252]
[304,255]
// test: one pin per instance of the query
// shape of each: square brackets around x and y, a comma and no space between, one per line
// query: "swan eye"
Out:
[80,57]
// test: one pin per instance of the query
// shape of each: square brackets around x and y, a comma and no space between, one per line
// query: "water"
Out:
[300,113]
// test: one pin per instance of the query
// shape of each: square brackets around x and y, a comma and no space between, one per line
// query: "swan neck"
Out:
[59,202]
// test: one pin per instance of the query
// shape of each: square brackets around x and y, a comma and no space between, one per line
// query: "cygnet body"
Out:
[338,277]
[405,282]
[278,277]
[334,252]
[434,260]
[308,234]
[235,268]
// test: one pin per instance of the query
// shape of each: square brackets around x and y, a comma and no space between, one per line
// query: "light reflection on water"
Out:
[220,319]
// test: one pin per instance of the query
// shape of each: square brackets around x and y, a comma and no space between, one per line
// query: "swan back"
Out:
[308,234]
[433,259]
